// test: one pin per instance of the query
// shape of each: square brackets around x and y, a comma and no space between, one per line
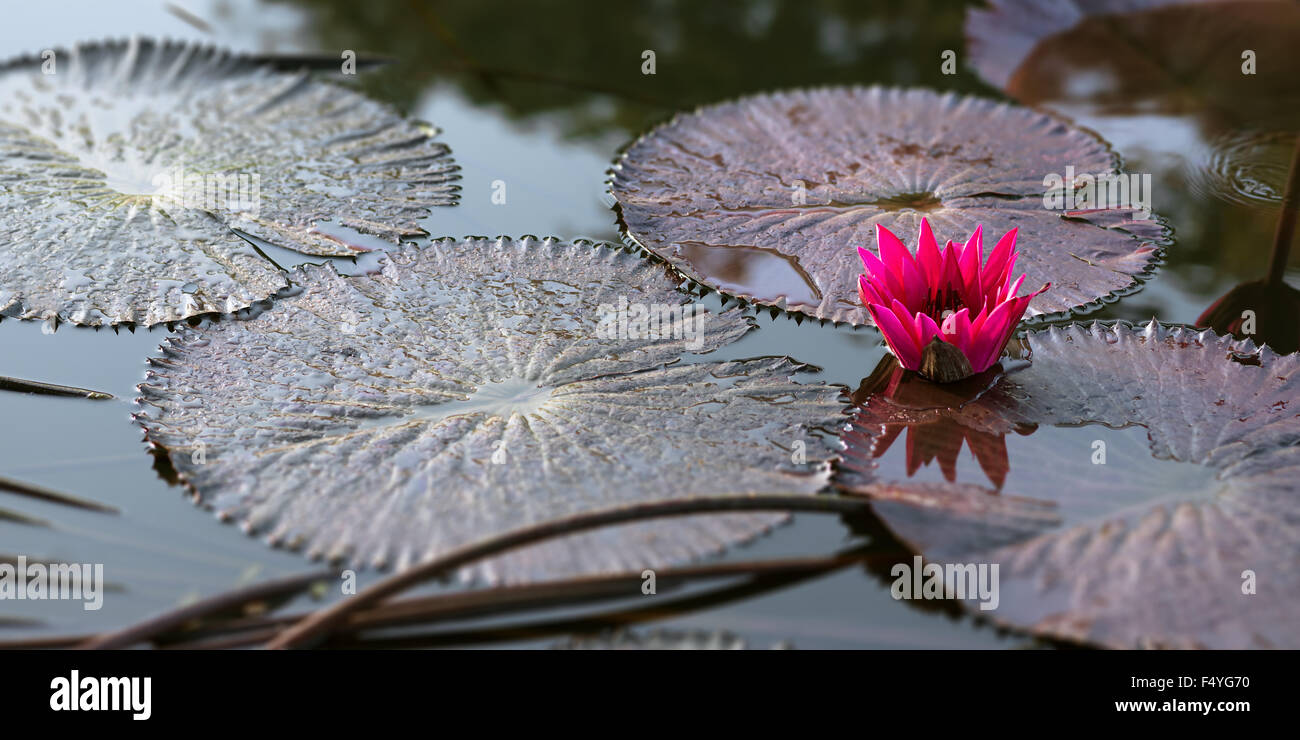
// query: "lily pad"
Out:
[767,198]
[1130,484]
[124,167]
[469,388]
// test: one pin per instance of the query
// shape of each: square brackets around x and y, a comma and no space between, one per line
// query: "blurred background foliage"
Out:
[584,59]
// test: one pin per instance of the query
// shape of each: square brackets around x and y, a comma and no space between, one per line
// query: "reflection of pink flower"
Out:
[943,295]
[942,440]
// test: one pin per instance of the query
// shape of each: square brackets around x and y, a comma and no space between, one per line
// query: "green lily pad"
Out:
[469,388]
[767,198]
[124,167]
[1135,487]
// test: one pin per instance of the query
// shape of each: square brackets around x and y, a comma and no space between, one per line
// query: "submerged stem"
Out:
[1282,238]
[322,622]
[45,494]
[169,621]
[50,389]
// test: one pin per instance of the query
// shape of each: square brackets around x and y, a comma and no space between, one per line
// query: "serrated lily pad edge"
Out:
[1153,329]
[1155,259]
[825,470]
[27,60]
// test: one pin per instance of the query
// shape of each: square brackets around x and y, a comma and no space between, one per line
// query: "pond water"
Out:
[538,99]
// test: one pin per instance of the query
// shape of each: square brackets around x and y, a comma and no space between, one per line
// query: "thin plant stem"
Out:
[45,494]
[50,389]
[497,601]
[171,620]
[320,623]
[1282,238]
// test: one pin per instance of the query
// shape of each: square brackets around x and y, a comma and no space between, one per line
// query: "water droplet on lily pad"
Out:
[123,173]
[768,197]
[484,385]
[1123,482]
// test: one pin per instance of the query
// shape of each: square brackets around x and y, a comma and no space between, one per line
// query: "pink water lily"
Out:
[928,305]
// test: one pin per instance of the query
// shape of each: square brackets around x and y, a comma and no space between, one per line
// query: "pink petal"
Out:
[905,318]
[867,292]
[1036,293]
[995,332]
[863,253]
[976,240]
[895,254]
[1011,290]
[917,289]
[997,270]
[1010,269]
[926,330]
[951,274]
[899,339]
[970,261]
[957,330]
[892,250]
[881,276]
[928,257]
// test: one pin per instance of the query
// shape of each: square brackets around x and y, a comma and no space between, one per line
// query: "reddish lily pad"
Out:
[470,388]
[124,167]
[1003,34]
[766,198]
[1217,116]
[1132,56]
[1150,544]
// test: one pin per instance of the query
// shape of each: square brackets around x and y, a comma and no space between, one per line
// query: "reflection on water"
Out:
[1246,168]
[1059,460]
[915,408]
[943,441]
[757,272]
[976,433]
[586,63]
[1267,310]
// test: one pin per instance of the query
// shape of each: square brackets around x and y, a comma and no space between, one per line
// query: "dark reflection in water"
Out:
[586,62]
[986,439]
[1247,168]
[752,271]
[918,407]
[1266,310]
[943,442]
